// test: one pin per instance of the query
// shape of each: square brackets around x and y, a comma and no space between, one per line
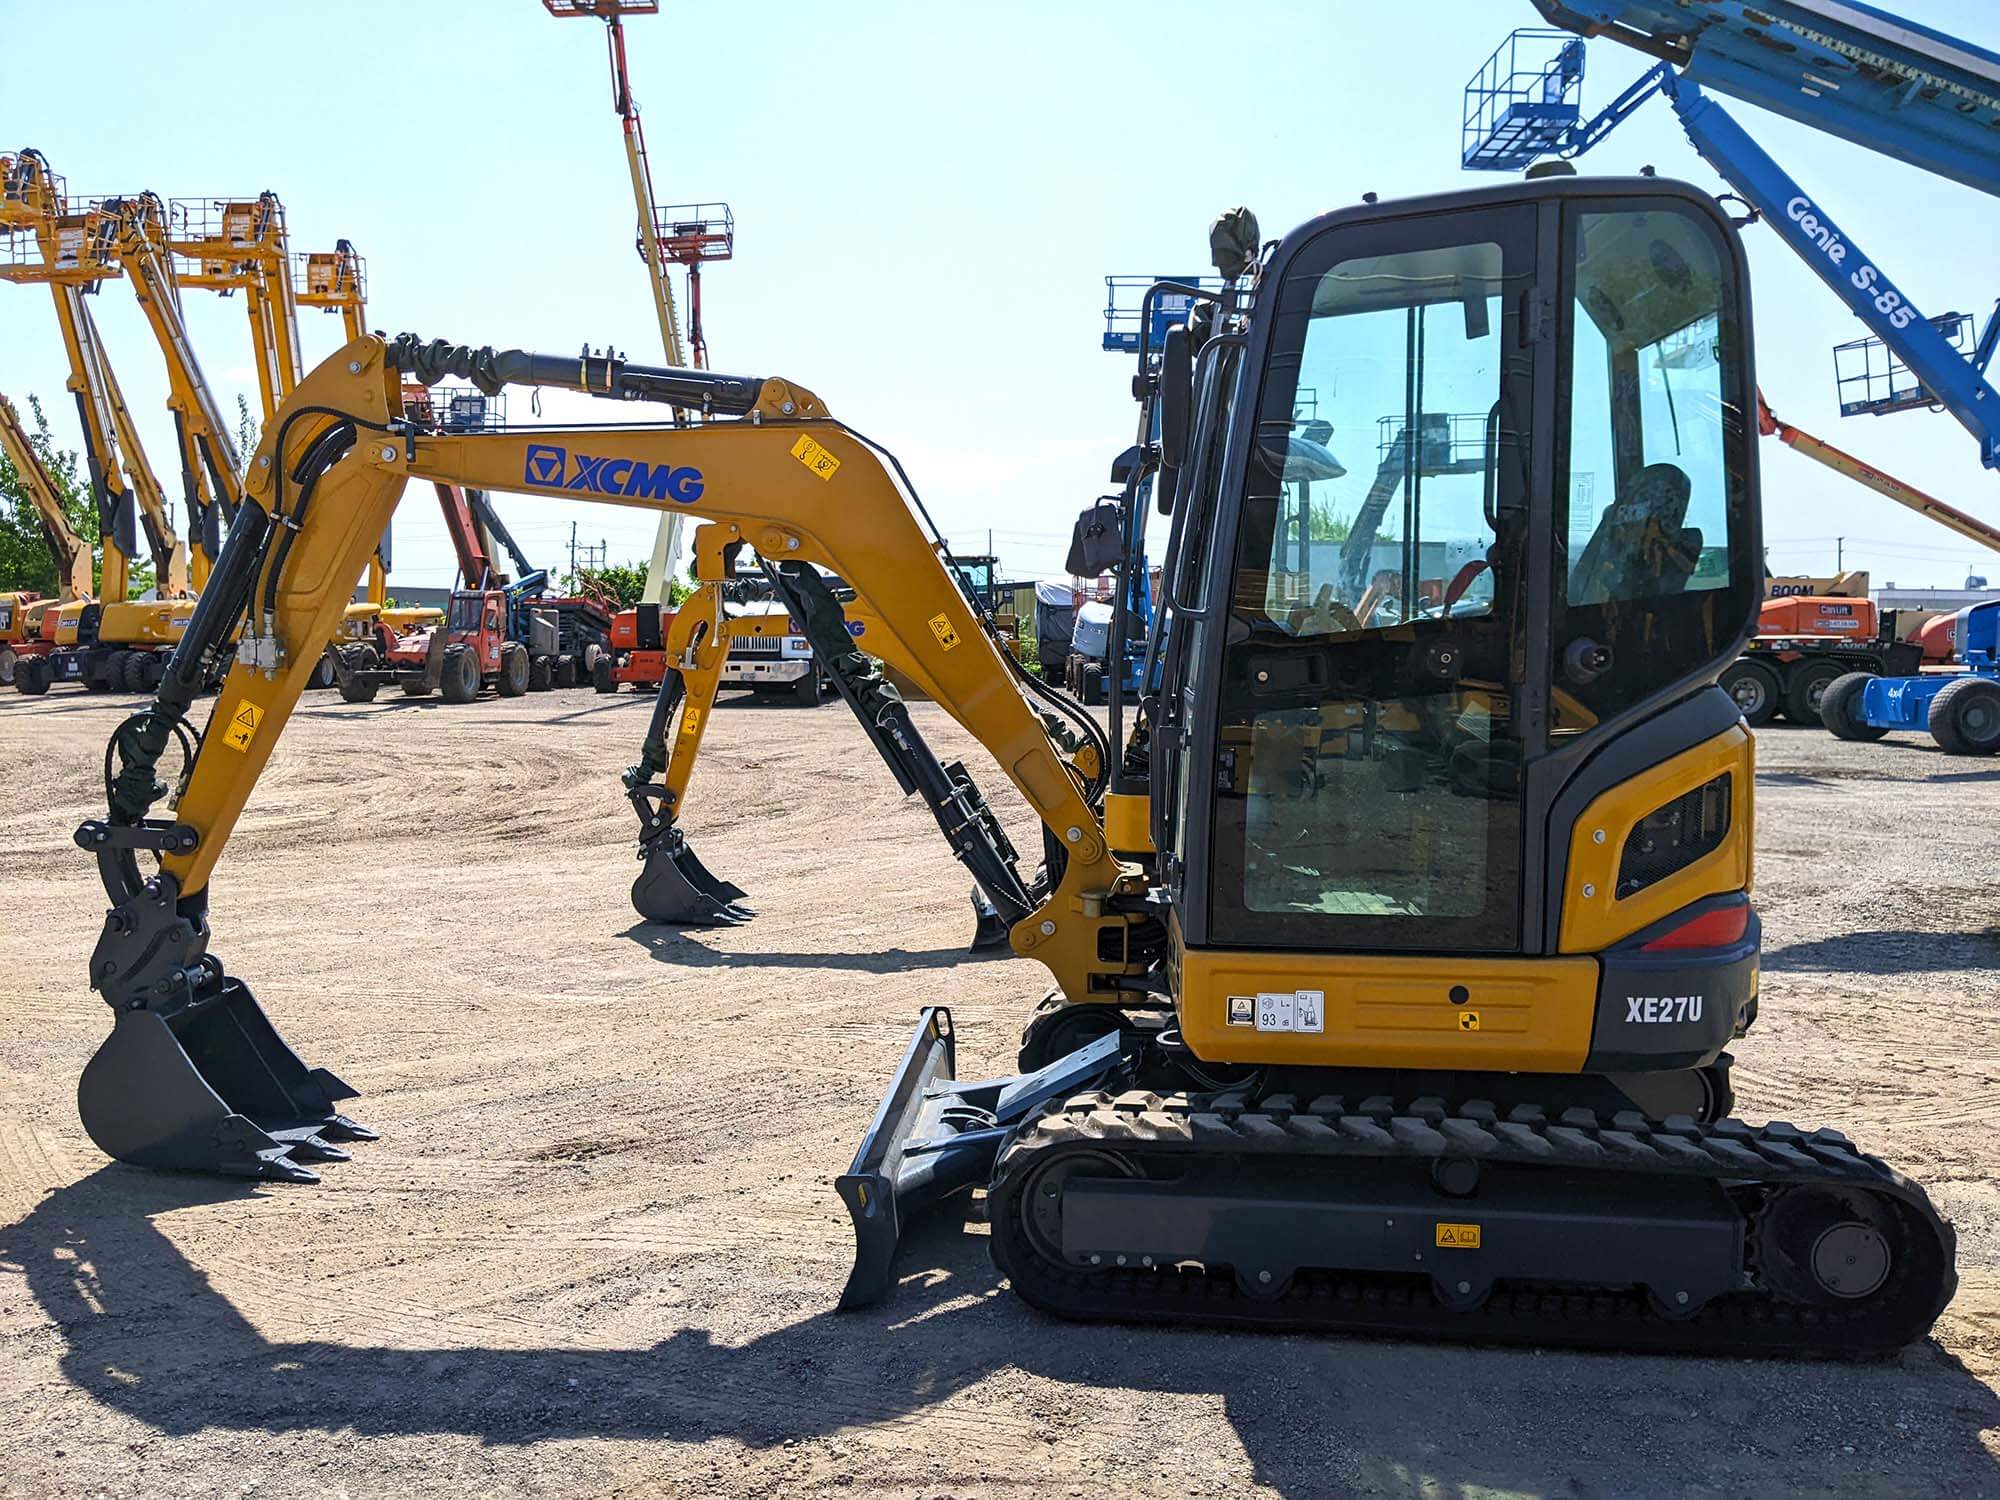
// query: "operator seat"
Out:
[1640,549]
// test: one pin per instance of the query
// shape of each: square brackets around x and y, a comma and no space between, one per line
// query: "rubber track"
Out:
[1172,1129]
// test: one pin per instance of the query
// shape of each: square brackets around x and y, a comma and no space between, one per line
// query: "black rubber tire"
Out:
[362,691]
[805,692]
[323,674]
[108,676]
[1965,716]
[132,671]
[460,679]
[1840,708]
[32,676]
[415,687]
[1754,686]
[541,675]
[515,668]
[1803,689]
[600,676]
[8,662]
[566,672]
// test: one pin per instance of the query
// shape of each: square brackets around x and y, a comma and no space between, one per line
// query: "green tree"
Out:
[25,559]
[1325,526]
[625,582]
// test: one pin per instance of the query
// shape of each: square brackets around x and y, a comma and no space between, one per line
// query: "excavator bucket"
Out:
[676,888]
[209,1086]
[933,1137]
[990,929]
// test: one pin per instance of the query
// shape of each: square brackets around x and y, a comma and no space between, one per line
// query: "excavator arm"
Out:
[194,1074]
[846,635]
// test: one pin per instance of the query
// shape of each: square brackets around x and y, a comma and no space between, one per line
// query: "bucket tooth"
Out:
[676,888]
[209,1086]
[933,1137]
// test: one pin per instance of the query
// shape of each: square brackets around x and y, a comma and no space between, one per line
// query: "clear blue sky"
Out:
[927,197]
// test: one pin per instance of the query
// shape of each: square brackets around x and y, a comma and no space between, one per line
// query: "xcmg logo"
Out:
[558,468]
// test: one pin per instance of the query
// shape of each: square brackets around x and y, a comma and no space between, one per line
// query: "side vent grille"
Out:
[1671,838]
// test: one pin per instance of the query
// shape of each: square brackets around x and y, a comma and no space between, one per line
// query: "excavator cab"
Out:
[1386,674]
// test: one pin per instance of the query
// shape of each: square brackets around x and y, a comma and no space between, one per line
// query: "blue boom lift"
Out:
[1850,70]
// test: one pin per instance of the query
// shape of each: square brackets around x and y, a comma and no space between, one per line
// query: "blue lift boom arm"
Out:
[1958,385]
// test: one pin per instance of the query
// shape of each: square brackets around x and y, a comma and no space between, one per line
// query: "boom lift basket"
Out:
[1873,382]
[1519,109]
[329,280]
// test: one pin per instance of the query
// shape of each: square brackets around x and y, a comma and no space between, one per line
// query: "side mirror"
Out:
[1125,465]
[1176,395]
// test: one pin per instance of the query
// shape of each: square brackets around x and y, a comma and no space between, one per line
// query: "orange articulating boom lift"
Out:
[684,234]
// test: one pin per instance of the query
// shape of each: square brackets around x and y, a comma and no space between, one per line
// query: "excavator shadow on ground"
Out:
[146,1334]
[684,947]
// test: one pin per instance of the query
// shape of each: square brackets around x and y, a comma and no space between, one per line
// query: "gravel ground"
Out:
[596,1247]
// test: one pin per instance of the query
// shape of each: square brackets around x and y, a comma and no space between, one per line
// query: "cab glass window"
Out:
[1370,740]
[1652,516]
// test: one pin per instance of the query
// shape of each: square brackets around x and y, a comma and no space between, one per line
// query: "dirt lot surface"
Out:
[596,1249]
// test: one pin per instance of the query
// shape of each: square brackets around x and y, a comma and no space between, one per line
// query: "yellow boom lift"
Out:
[111,642]
[1416,1020]
[21,612]
[44,239]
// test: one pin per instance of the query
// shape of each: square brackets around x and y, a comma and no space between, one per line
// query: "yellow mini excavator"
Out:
[1414,1017]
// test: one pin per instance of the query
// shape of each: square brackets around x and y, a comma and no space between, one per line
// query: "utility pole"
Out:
[1839,543]
[572,551]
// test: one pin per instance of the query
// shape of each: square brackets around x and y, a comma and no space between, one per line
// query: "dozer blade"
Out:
[675,887]
[211,1087]
[933,1136]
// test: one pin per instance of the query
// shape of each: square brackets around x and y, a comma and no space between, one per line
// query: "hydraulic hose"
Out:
[607,375]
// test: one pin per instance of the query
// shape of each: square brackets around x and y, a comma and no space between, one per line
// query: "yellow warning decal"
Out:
[1458,1236]
[941,628]
[815,457]
[690,721]
[1468,1020]
[243,725]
